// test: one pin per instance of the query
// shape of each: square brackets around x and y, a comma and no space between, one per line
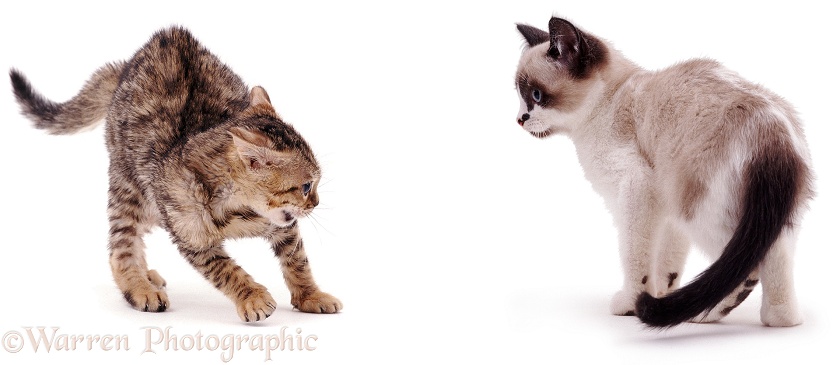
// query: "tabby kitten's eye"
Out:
[537,95]
[306,188]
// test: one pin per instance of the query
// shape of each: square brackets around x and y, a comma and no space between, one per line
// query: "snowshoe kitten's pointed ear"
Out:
[255,150]
[259,96]
[572,48]
[533,36]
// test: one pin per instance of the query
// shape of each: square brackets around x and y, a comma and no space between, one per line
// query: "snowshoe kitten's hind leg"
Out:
[129,220]
[732,301]
[306,296]
[779,307]
[253,302]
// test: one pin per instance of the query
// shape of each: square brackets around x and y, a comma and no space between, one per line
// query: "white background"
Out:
[450,234]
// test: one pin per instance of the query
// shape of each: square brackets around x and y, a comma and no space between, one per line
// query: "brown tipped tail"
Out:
[84,110]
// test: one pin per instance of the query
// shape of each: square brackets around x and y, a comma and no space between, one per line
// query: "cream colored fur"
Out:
[656,146]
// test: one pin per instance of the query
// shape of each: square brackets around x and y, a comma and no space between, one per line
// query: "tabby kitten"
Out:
[193,151]
[692,153]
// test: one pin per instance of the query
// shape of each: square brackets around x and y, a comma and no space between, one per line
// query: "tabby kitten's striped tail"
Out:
[84,110]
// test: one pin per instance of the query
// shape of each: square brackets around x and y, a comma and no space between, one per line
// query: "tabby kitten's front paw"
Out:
[256,307]
[147,299]
[318,302]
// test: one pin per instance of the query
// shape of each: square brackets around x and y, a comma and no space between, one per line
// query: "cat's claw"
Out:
[256,307]
[318,302]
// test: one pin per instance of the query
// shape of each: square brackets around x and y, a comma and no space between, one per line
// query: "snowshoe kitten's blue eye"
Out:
[306,188]
[537,95]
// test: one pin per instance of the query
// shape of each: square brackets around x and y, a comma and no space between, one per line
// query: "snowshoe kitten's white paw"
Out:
[623,304]
[781,315]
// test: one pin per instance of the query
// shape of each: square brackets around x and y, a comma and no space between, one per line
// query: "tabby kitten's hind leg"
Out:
[306,296]
[156,279]
[142,288]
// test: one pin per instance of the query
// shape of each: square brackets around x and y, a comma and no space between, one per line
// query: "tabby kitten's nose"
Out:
[523,118]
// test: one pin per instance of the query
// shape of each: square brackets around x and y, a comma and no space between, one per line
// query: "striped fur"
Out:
[194,151]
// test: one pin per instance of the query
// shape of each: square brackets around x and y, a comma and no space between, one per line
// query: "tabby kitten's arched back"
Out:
[193,151]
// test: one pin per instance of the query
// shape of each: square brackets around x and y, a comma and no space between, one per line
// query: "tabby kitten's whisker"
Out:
[314,219]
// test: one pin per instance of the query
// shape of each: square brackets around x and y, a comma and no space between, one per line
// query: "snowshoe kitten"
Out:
[689,154]
[193,151]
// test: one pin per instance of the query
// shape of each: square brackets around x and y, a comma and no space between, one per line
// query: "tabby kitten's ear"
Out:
[255,150]
[259,97]
[533,36]
[571,48]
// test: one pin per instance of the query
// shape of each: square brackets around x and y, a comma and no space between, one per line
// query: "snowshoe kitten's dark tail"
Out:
[774,183]
[84,110]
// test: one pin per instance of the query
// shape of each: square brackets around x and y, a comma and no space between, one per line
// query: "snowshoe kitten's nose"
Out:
[523,118]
